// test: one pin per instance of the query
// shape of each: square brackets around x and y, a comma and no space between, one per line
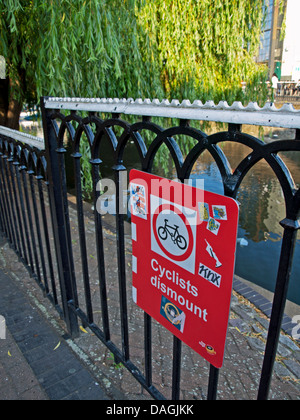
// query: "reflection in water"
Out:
[262,207]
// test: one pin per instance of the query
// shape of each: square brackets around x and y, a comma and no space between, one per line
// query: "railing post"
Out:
[119,179]
[213,383]
[284,271]
[60,231]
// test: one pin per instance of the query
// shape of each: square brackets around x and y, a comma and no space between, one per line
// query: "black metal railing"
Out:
[24,216]
[72,123]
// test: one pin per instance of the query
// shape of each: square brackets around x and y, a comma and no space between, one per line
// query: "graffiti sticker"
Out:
[219,212]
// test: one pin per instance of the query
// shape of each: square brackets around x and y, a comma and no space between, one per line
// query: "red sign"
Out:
[183,255]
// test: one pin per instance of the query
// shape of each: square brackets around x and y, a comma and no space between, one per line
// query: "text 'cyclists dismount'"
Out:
[183,256]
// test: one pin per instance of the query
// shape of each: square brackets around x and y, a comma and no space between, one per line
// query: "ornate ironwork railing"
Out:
[71,122]
[24,218]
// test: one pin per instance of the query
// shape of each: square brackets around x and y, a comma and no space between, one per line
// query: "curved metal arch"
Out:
[228,175]
[296,202]
[11,146]
[138,139]
[15,146]
[268,152]
[75,134]
[5,147]
[105,127]
[166,137]
[41,166]
[24,156]
[205,143]
[237,137]
[66,124]
[231,178]
[133,133]
[55,115]
[122,142]
[283,173]
[84,127]
[260,150]
[1,144]
[31,161]
[284,177]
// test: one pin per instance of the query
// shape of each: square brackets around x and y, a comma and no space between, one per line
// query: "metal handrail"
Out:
[269,115]
[34,141]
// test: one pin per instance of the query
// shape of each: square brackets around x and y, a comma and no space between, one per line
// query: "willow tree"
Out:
[128,48]
[206,49]
[63,48]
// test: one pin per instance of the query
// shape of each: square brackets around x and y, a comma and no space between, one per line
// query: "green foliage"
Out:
[195,49]
[205,49]
[18,45]
[175,49]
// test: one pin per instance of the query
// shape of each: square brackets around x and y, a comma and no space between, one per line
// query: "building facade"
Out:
[271,47]
[290,67]
[280,48]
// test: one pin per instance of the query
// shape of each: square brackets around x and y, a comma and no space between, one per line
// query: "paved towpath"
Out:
[36,362]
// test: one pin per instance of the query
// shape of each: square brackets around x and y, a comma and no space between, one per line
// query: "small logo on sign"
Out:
[210,275]
[172,313]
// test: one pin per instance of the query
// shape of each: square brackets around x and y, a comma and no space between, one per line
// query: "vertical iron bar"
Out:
[59,222]
[121,259]
[36,268]
[38,231]
[2,216]
[177,348]
[283,276]
[46,237]
[100,250]
[148,348]
[21,196]
[82,239]
[9,203]
[24,253]
[213,383]
[14,206]
[51,232]
[62,171]
[4,199]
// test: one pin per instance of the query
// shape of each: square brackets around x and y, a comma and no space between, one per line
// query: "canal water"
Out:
[261,209]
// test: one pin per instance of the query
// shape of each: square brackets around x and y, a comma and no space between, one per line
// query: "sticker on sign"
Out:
[183,245]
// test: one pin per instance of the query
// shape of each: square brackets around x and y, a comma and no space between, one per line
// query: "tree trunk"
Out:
[10,109]
[13,114]
[3,100]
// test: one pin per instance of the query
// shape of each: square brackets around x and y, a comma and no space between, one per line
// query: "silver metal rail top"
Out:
[271,116]
[23,137]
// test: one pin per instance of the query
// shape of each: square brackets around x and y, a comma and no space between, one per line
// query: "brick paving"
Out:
[17,379]
[35,361]
[239,377]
